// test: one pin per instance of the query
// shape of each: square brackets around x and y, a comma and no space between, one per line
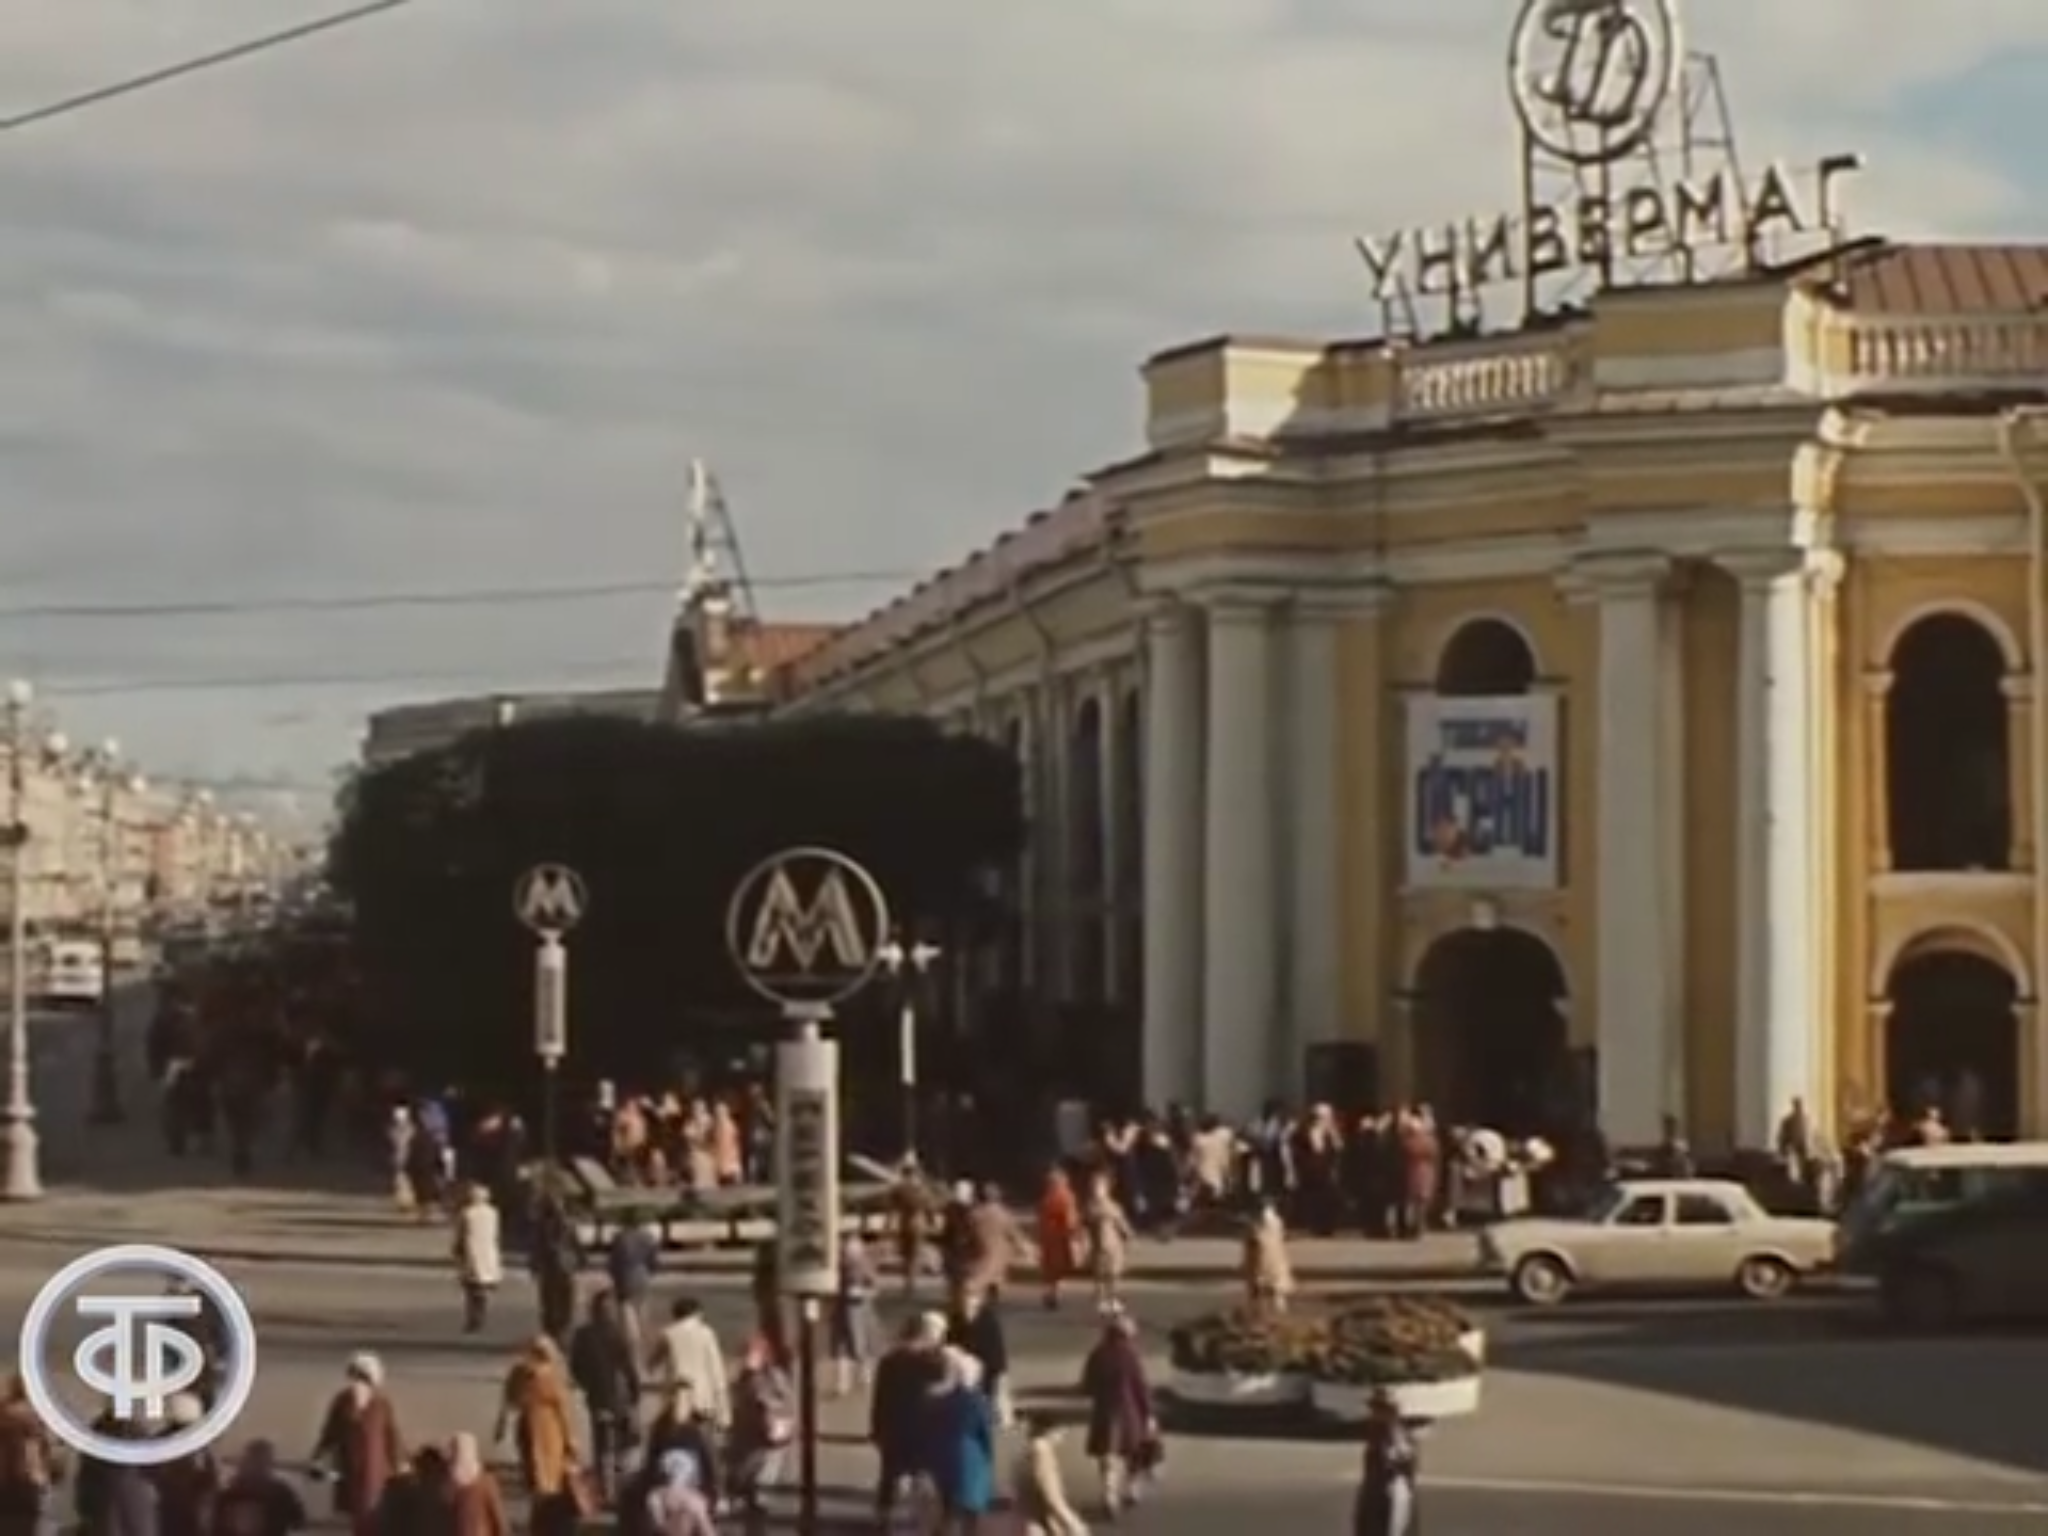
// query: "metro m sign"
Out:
[806,928]
[550,898]
[785,926]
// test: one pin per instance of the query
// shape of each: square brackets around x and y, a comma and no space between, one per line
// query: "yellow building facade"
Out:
[1630,715]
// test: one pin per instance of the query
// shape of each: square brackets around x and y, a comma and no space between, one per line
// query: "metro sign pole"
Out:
[806,929]
[550,899]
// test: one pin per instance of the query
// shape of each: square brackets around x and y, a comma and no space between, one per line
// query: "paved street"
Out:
[1674,1418]
[1468,1512]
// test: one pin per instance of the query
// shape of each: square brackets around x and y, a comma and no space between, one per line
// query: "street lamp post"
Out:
[23,1179]
[909,964]
[106,1061]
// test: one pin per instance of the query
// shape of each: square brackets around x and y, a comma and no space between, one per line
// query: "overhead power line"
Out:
[456,597]
[644,672]
[164,76]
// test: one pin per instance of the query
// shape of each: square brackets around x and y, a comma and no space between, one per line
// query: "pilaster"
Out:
[1639,879]
[2019,763]
[1314,1009]
[1242,888]
[1877,767]
[1780,901]
[1174,856]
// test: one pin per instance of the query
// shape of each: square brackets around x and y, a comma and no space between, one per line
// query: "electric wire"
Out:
[455,597]
[527,684]
[150,79]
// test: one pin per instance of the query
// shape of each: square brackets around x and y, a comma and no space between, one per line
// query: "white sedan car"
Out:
[1659,1234]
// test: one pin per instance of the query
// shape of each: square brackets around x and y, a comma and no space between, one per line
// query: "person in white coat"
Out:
[688,1363]
[479,1256]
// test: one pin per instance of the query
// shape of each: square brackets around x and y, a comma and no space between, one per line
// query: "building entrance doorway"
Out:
[1490,1042]
[1952,1042]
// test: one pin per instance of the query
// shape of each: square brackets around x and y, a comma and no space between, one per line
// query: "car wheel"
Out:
[1541,1281]
[1763,1278]
[1923,1300]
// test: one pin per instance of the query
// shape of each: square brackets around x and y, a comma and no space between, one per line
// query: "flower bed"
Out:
[1424,1352]
[1241,1360]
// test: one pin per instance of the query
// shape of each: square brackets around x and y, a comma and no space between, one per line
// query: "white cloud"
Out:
[449,298]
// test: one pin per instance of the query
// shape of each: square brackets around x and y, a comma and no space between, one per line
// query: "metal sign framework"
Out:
[1629,176]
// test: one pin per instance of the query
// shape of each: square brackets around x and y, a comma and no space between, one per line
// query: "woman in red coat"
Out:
[1059,1228]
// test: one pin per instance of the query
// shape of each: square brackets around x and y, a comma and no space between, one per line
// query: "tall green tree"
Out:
[662,822]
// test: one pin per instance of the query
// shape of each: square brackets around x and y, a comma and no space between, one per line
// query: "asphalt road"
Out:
[1472,1512]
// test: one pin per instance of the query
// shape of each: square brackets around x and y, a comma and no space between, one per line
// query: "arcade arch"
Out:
[1485,658]
[1952,1035]
[1490,1040]
[1948,746]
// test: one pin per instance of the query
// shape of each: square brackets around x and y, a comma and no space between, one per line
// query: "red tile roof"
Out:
[767,647]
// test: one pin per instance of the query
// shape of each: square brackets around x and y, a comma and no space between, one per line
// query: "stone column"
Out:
[1242,892]
[1877,694]
[2019,761]
[1778,1027]
[1315,955]
[1639,975]
[1173,855]
[1109,761]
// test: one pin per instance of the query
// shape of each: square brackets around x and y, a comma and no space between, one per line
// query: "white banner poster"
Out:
[1484,808]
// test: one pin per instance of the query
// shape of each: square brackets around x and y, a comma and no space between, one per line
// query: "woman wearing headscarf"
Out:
[256,1501]
[537,1410]
[682,1425]
[1268,1271]
[359,1442]
[676,1505]
[1108,1230]
[960,1447]
[1386,1502]
[479,1256]
[476,1506]
[1122,1427]
[185,1488]
[763,1425]
[30,1464]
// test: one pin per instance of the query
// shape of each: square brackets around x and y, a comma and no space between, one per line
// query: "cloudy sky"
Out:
[446,301]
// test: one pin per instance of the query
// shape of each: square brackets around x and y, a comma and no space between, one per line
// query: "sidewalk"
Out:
[360,1230]
[116,1184]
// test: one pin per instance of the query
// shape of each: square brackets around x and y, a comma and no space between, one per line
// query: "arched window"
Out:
[1947,747]
[1485,658]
